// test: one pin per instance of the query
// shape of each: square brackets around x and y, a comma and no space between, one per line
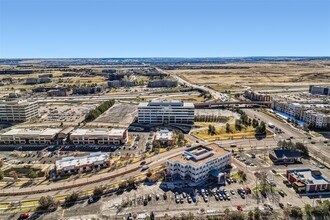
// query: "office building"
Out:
[284,156]
[166,112]
[18,110]
[162,83]
[199,163]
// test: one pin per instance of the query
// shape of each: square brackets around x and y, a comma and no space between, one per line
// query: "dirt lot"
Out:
[261,75]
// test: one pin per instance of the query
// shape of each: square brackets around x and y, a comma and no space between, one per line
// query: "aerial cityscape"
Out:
[147,134]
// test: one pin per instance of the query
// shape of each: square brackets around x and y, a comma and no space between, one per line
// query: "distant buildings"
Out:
[87,90]
[308,181]
[310,114]
[285,156]
[162,83]
[18,110]
[198,163]
[165,137]
[70,165]
[166,112]
[121,83]
[98,136]
[256,96]
[33,80]
[320,90]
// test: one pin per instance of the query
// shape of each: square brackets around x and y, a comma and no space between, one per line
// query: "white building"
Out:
[99,136]
[198,163]
[69,165]
[166,112]
[18,110]
[30,136]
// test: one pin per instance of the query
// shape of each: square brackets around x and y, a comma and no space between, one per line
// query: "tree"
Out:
[257,213]
[1,163]
[302,148]
[255,123]
[98,191]
[46,202]
[61,125]
[72,198]
[14,175]
[296,213]
[228,130]
[308,209]
[180,136]
[1,175]
[261,129]
[211,130]
[155,145]
[250,215]
[33,174]
[238,125]
[242,174]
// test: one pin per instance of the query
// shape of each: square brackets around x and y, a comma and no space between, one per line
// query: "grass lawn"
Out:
[204,124]
[247,132]
[221,87]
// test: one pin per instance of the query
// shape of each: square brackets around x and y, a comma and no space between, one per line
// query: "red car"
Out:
[24,215]
[239,208]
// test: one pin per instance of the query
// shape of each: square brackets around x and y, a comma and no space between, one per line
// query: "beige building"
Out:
[98,136]
[30,136]
[70,165]
[198,163]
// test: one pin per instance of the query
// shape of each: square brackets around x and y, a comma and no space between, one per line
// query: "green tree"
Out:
[228,130]
[255,123]
[308,209]
[261,129]
[72,198]
[98,191]
[180,136]
[238,125]
[33,174]
[302,148]
[257,213]
[46,202]
[1,175]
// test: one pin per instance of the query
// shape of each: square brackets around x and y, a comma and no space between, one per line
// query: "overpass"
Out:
[230,103]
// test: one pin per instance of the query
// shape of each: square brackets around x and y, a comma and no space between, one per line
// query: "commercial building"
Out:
[162,83]
[198,163]
[165,137]
[98,136]
[69,165]
[285,156]
[18,110]
[166,112]
[32,81]
[121,83]
[320,90]
[256,96]
[30,136]
[58,92]
[88,90]
[307,180]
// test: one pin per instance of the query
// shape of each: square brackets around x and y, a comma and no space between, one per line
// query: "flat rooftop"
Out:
[164,135]
[309,176]
[81,161]
[217,151]
[32,132]
[98,132]
[199,150]
[167,104]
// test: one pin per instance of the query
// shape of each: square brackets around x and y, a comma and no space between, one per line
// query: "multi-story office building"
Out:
[30,136]
[99,136]
[198,163]
[18,110]
[166,112]
[162,83]
[256,96]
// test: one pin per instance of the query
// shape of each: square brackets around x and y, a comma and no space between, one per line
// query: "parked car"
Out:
[239,208]
[24,215]
[281,205]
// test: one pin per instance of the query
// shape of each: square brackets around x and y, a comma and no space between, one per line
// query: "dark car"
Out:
[281,205]
[281,193]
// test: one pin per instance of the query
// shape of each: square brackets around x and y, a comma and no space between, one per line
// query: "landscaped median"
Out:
[32,205]
[221,133]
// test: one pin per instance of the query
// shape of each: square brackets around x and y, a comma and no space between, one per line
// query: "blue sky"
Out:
[159,28]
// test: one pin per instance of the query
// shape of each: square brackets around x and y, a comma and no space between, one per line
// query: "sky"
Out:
[163,28]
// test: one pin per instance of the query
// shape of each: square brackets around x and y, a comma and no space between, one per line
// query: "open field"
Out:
[259,75]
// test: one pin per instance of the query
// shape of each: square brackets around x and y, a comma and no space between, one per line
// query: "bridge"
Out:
[222,104]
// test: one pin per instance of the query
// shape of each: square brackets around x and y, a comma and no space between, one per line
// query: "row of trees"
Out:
[211,118]
[93,114]
[293,146]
